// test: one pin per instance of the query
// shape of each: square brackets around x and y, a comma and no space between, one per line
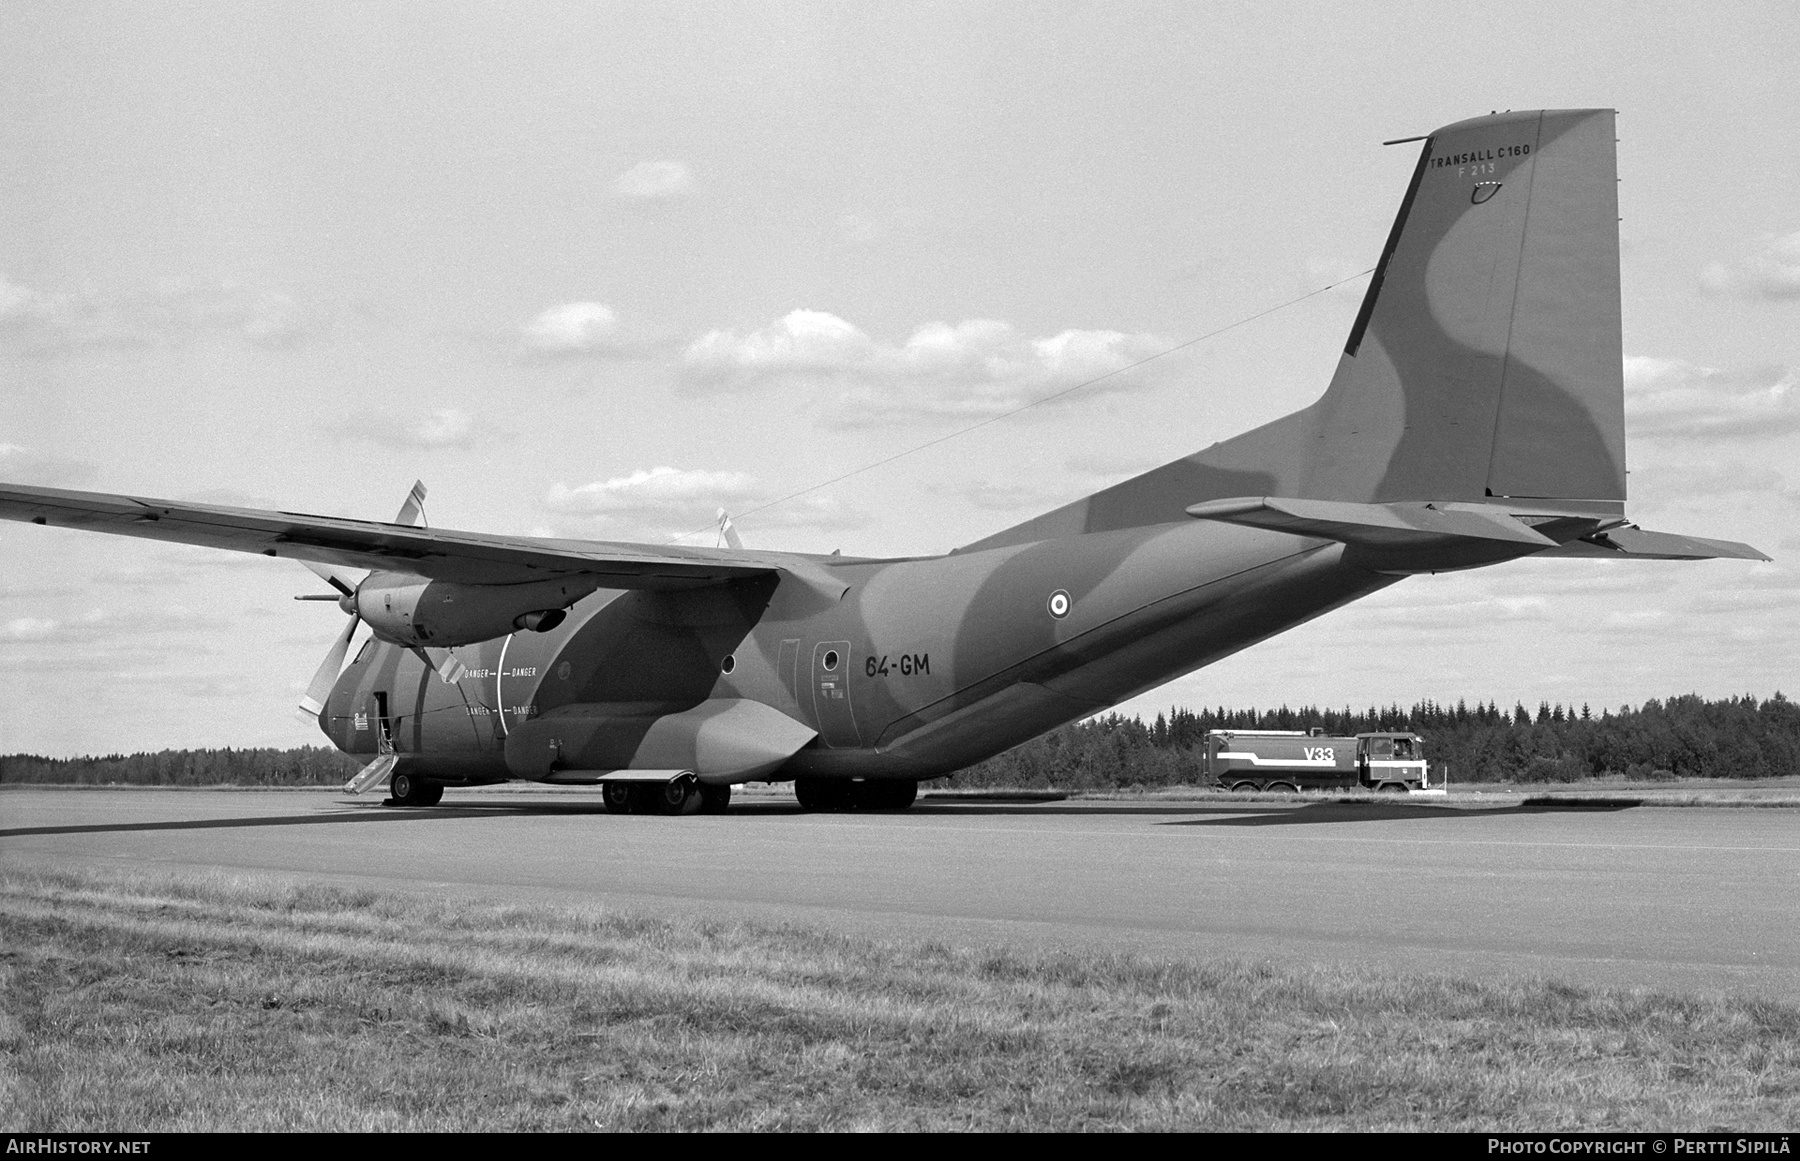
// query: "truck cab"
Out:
[1392,761]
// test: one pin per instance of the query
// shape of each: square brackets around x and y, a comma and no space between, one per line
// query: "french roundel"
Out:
[1060,603]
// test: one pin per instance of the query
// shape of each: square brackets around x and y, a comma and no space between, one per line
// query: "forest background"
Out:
[1682,737]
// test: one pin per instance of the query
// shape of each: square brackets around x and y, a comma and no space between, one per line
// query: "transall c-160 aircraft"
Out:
[1475,417]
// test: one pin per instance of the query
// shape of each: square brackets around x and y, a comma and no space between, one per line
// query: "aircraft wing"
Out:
[436,553]
[1633,543]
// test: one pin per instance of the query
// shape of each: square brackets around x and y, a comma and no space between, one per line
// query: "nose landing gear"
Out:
[411,790]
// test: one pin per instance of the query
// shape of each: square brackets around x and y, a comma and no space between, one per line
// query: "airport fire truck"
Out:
[1298,760]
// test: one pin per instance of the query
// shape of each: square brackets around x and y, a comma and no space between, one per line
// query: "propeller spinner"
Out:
[443,661]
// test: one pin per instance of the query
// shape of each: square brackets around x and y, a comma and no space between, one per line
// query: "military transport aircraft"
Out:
[1475,417]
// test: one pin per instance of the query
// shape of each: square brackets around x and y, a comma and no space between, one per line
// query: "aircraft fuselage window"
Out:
[831,660]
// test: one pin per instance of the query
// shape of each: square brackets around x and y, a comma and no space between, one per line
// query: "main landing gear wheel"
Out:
[680,796]
[412,790]
[886,795]
[821,793]
[619,797]
[841,794]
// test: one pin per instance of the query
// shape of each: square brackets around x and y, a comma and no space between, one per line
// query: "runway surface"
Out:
[1691,898]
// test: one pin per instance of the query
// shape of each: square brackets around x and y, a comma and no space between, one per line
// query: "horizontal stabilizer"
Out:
[1634,543]
[1376,525]
[1400,537]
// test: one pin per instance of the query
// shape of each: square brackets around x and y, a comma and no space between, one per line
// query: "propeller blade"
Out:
[413,510]
[443,663]
[337,578]
[313,703]
[728,536]
[373,775]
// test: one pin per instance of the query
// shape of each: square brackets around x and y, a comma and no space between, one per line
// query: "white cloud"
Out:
[445,427]
[1668,398]
[660,492]
[664,503]
[574,328]
[176,310]
[588,330]
[22,465]
[974,369]
[1771,272]
[651,181]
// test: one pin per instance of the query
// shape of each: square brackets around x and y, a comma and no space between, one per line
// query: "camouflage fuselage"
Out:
[923,666]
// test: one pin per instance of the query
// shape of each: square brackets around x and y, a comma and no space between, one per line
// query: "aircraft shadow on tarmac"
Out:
[264,820]
[1235,814]
[1340,812]
[364,812]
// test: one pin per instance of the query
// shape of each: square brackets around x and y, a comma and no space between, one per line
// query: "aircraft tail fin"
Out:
[1484,363]
[1486,360]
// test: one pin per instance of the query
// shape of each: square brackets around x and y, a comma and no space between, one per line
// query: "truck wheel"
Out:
[1282,788]
[619,797]
[1243,787]
[1391,788]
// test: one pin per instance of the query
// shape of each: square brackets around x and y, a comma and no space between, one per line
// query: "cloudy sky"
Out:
[595,270]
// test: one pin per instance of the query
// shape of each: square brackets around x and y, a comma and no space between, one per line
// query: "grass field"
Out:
[139,1003]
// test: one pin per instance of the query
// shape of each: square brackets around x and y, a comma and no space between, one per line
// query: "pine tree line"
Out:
[305,766]
[1683,737]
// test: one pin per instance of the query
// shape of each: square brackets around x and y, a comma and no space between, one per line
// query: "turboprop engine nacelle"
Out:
[409,610]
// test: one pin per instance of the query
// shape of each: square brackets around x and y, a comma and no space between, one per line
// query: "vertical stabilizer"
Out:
[1485,360]
[1486,357]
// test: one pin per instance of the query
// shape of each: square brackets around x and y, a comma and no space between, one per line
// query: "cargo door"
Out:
[831,694]
[384,725]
